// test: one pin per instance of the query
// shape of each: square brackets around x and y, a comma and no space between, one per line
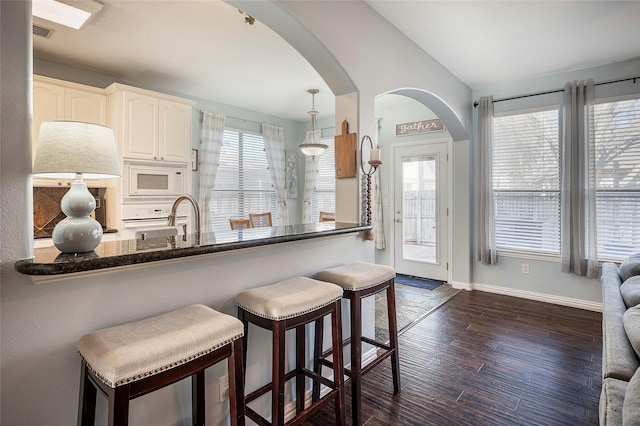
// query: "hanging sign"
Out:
[423,126]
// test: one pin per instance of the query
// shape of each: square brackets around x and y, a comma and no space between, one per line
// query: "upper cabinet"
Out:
[62,100]
[150,125]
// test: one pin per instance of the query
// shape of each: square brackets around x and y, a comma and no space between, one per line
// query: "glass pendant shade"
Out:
[312,145]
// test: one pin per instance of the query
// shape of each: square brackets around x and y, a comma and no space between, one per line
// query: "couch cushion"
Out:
[611,402]
[619,360]
[631,404]
[630,267]
[630,290]
[631,321]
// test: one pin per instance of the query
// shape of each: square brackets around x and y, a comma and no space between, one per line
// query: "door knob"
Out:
[398,220]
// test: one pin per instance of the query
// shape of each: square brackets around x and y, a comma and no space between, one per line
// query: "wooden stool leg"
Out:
[87,405]
[119,406]
[317,354]
[236,384]
[393,337]
[300,378]
[338,368]
[245,338]
[356,357]
[197,399]
[278,373]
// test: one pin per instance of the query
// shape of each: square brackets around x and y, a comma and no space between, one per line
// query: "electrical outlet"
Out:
[224,388]
[525,268]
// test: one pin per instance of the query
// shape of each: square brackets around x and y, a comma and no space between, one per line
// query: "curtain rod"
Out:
[235,118]
[475,104]
[258,122]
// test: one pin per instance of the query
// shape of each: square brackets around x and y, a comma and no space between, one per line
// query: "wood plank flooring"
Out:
[487,359]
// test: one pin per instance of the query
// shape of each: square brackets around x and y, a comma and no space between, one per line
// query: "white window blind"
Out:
[324,193]
[526,180]
[617,133]
[243,184]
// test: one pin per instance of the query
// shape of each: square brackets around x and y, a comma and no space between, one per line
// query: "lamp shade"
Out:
[312,145]
[66,148]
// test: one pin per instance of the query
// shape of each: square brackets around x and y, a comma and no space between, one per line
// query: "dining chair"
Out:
[259,220]
[239,223]
[327,217]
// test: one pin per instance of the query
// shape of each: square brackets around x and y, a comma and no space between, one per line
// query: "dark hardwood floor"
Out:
[487,359]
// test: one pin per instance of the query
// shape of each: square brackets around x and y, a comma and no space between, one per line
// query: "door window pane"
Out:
[419,207]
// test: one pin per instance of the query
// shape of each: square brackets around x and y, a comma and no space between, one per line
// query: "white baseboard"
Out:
[531,295]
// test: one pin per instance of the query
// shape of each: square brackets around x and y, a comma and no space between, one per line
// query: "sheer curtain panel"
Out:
[310,173]
[579,251]
[485,201]
[274,147]
[378,222]
[378,219]
[210,144]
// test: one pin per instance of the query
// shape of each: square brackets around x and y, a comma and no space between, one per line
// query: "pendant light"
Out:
[312,145]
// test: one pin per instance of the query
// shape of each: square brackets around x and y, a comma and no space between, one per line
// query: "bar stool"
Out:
[283,306]
[359,280]
[134,359]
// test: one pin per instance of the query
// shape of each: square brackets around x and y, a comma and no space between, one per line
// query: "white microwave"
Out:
[155,181]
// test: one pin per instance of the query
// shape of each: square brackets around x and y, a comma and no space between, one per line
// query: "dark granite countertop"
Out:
[112,254]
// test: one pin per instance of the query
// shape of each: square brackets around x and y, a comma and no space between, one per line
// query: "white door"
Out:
[420,210]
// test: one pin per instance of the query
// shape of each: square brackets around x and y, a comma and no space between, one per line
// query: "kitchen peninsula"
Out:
[113,254]
[129,280]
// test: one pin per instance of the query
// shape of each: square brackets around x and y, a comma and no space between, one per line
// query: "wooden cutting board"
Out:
[345,152]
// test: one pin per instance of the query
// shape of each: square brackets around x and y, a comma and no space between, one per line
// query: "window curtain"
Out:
[274,148]
[211,135]
[378,220]
[485,198]
[310,173]
[578,195]
[378,223]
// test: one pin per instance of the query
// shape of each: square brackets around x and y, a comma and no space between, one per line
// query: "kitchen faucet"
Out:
[172,216]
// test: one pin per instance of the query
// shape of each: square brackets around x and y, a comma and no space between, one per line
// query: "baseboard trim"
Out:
[531,295]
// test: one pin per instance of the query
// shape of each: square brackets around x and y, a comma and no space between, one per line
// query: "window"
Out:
[324,193]
[526,180]
[243,184]
[617,135]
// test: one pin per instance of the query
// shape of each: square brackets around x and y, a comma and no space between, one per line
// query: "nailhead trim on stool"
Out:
[360,280]
[134,359]
[292,304]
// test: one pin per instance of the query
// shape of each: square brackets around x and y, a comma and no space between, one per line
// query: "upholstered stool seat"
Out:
[287,305]
[360,280]
[130,360]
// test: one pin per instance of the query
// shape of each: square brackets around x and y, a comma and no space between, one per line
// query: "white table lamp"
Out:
[73,150]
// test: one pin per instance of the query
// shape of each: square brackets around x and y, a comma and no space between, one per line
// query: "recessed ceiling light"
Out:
[73,14]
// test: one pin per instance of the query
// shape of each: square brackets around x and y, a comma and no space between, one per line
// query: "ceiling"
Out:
[181,46]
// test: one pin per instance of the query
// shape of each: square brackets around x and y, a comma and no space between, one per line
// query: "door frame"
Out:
[449,188]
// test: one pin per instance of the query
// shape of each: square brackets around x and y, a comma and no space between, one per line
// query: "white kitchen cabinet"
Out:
[62,100]
[150,125]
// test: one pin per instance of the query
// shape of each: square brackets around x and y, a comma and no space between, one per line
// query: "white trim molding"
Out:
[531,295]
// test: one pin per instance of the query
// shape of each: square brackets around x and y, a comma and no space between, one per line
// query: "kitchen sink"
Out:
[154,232]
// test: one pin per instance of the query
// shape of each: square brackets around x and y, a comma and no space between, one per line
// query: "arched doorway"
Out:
[417,129]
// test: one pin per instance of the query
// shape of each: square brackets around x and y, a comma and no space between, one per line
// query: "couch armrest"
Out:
[619,360]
